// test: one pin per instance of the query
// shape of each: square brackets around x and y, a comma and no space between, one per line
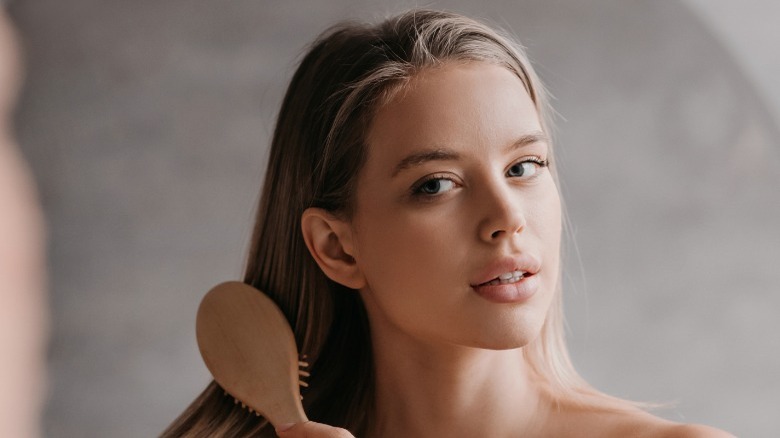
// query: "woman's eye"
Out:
[527,168]
[434,186]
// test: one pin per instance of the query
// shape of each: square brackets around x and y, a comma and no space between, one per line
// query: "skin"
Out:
[23,314]
[448,361]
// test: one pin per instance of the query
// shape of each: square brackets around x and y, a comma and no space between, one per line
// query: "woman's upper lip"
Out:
[523,262]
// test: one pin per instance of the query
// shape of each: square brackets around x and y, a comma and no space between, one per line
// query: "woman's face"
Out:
[454,194]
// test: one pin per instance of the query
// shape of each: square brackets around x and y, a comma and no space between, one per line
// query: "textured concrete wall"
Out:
[147,126]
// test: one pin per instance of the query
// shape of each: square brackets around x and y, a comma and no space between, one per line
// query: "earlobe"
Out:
[329,240]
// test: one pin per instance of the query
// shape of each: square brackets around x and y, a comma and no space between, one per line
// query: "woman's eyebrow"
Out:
[443,154]
[420,157]
[530,138]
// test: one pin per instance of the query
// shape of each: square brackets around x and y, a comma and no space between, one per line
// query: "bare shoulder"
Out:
[645,425]
[693,431]
[629,422]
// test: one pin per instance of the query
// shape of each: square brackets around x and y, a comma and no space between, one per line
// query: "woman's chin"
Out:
[508,338]
[507,343]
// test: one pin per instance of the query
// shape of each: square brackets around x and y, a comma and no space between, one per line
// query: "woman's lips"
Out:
[525,263]
[516,292]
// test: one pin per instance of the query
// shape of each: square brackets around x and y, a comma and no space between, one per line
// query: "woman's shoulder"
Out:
[629,422]
[692,431]
[645,425]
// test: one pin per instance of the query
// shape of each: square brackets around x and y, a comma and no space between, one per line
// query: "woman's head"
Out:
[349,112]
[323,142]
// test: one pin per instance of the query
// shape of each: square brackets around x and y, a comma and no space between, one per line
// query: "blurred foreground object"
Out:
[23,310]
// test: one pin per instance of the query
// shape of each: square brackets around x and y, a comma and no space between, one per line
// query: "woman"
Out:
[409,228]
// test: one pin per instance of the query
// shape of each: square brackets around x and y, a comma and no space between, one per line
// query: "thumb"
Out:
[310,429]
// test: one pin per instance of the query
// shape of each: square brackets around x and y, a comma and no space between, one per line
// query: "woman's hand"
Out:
[310,429]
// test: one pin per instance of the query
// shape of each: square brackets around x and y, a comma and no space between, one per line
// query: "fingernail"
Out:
[284,427]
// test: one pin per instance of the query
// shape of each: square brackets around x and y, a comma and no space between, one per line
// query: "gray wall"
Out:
[147,126]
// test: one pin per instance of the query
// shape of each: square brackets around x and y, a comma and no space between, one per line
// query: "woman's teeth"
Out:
[507,278]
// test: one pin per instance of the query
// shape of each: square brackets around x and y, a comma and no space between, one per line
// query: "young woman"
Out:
[410,229]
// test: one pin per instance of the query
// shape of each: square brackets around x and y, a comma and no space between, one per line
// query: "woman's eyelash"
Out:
[537,160]
[417,189]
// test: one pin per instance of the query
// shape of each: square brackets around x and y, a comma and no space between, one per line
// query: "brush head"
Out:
[247,344]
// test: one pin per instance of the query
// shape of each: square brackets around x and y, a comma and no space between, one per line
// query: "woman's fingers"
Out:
[311,429]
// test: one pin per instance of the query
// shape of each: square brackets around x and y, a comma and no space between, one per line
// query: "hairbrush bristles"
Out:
[301,374]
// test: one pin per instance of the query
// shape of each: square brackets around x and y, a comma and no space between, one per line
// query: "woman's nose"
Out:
[502,214]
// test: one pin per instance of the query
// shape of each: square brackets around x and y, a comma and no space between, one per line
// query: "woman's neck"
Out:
[426,390]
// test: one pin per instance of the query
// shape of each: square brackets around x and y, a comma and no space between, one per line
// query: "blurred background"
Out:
[146,125]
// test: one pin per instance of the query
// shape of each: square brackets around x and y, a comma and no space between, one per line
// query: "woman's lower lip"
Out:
[509,293]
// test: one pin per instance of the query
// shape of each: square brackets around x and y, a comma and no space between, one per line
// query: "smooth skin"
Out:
[448,361]
[23,304]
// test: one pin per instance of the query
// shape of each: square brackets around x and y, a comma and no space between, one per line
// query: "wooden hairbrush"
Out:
[249,348]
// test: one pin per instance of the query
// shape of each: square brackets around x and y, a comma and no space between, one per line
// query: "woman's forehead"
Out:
[454,106]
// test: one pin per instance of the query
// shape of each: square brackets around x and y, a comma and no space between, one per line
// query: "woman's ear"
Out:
[329,240]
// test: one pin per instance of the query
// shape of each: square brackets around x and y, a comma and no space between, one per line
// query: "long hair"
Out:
[318,148]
